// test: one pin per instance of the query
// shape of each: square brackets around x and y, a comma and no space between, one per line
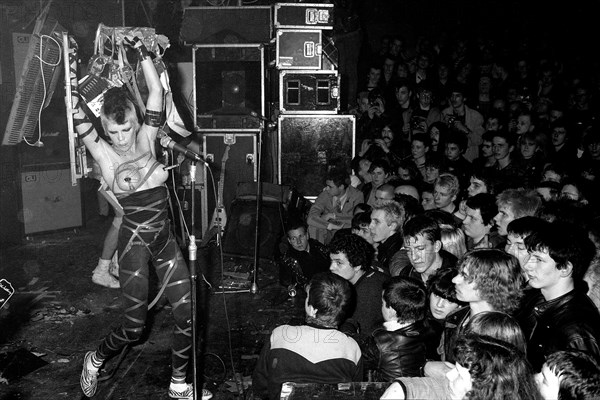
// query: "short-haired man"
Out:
[380,171]
[513,204]
[360,226]
[398,348]
[445,194]
[559,315]
[518,230]
[479,221]
[303,258]
[386,231]
[384,194]
[453,160]
[351,258]
[423,243]
[464,119]
[333,208]
[506,172]
[409,189]
[316,351]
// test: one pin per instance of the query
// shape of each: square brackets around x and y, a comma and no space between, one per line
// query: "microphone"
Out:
[169,143]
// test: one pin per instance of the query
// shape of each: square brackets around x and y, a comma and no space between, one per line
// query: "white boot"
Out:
[102,277]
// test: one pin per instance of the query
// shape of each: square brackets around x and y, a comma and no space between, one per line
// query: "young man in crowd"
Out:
[513,204]
[351,258]
[422,240]
[303,258]
[316,352]
[479,222]
[517,231]
[398,348]
[333,208]
[488,280]
[558,314]
[386,231]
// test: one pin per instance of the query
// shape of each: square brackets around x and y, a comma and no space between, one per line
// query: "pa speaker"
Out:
[220,25]
[240,231]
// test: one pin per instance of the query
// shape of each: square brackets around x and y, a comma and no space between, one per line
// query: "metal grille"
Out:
[30,91]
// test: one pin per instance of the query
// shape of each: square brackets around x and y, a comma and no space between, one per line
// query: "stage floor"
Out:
[57,314]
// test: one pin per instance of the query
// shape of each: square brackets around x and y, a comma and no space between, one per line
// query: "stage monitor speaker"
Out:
[231,25]
[240,231]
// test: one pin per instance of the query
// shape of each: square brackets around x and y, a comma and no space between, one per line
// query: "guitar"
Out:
[219,218]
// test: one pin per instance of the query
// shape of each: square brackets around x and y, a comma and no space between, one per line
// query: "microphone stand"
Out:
[192,254]
[254,287]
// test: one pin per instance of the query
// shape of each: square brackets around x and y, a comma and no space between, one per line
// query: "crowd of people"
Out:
[466,227]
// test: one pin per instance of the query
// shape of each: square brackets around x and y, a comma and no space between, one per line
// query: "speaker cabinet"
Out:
[219,25]
[229,85]
[240,232]
[50,201]
[309,145]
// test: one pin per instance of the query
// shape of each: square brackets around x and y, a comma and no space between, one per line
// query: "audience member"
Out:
[333,208]
[488,280]
[558,315]
[351,258]
[506,172]
[398,348]
[427,200]
[486,158]
[454,161]
[513,204]
[453,240]
[569,375]
[464,119]
[384,194]
[422,241]
[517,230]
[303,258]
[380,171]
[312,357]
[445,193]
[386,231]
[479,222]
[442,301]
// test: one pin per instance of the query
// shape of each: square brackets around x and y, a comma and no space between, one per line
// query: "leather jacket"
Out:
[393,354]
[570,321]
[453,327]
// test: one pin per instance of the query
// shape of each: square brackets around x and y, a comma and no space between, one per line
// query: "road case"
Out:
[308,145]
[303,15]
[309,92]
[298,48]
